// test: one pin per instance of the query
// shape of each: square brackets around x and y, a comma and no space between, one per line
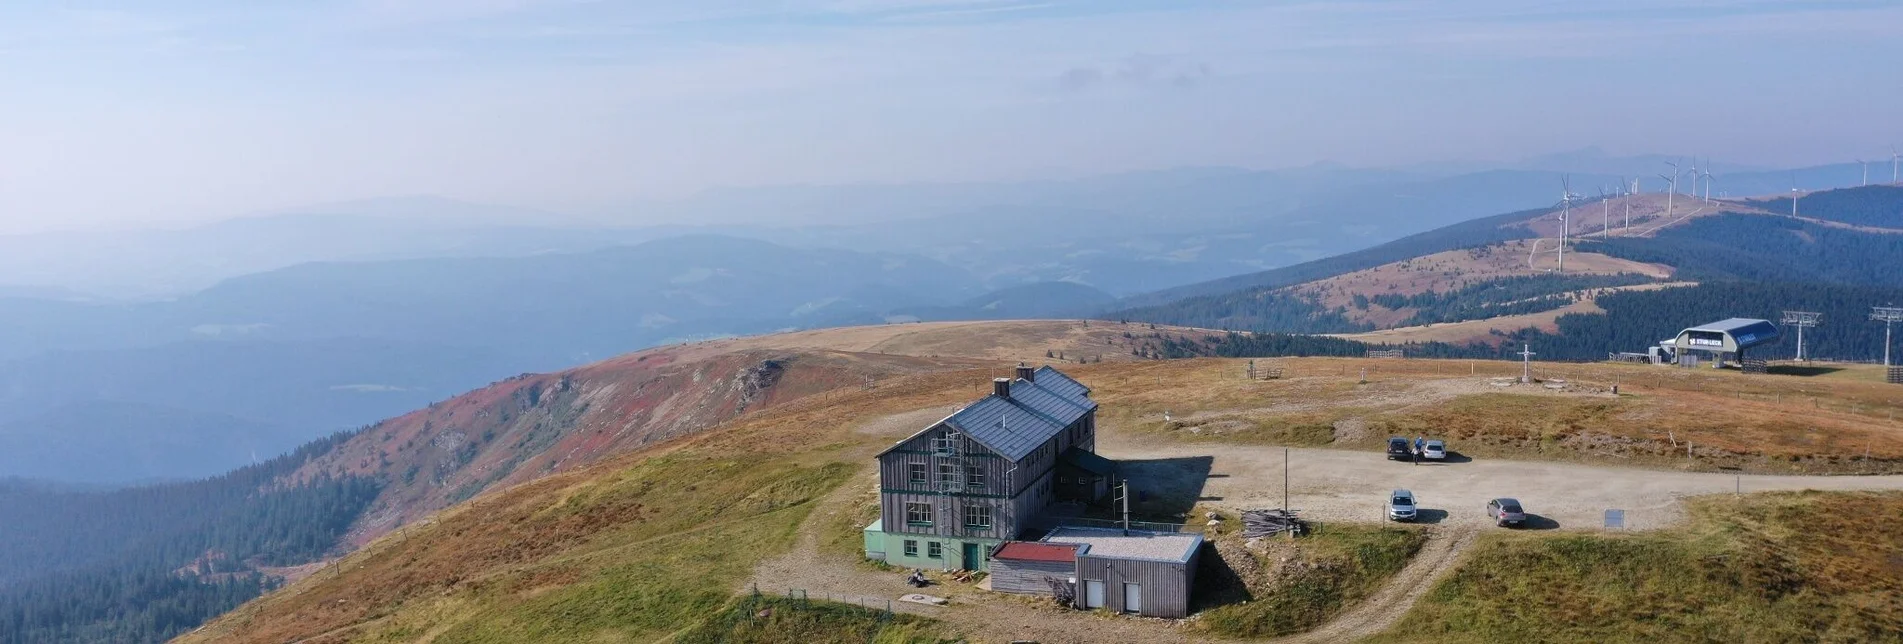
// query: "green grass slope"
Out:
[1792,567]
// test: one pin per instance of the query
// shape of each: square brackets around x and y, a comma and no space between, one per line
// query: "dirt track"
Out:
[1437,558]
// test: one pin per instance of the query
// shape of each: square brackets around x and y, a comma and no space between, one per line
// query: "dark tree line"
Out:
[1766,249]
[1516,295]
[1635,321]
[1283,312]
[144,564]
[1880,206]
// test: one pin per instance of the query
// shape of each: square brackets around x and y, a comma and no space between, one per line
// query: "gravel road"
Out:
[1340,485]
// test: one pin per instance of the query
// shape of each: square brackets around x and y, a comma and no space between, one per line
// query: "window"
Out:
[911,547]
[977,516]
[975,475]
[947,474]
[935,550]
[918,514]
[915,472]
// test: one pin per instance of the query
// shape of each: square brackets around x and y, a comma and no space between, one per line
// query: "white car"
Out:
[1434,451]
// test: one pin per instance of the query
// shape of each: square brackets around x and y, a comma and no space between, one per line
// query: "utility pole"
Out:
[1801,320]
[1887,315]
[1285,479]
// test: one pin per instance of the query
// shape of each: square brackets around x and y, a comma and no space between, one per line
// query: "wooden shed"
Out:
[1129,571]
[1028,568]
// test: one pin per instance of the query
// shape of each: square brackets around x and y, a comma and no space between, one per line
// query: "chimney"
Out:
[1026,374]
[1001,387]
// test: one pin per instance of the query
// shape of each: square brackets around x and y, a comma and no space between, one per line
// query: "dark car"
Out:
[1399,449]
[1506,512]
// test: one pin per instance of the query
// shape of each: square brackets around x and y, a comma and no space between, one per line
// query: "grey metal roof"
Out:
[1088,461]
[1747,332]
[1135,544]
[1036,411]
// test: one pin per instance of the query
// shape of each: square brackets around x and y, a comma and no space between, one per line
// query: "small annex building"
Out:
[1031,568]
[1125,571]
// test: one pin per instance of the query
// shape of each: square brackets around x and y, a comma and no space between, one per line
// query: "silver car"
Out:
[1434,450]
[1505,512]
[1401,506]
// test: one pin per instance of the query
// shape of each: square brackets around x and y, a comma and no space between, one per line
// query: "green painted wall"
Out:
[952,555]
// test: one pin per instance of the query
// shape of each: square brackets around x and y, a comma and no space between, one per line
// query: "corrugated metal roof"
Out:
[1036,411]
[1730,325]
[1747,332]
[1028,551]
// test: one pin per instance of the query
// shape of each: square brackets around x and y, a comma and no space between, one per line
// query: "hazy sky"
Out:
[172,110]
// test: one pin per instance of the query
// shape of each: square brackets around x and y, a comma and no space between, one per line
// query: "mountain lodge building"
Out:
[953,492]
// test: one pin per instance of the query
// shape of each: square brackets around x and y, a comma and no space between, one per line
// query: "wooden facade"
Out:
[946,486]
[1029,577]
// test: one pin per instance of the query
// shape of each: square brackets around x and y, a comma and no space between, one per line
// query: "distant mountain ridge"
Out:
[1841,254]
[299,352]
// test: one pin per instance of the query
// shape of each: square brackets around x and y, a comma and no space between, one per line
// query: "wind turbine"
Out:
[1671,188]
[1605,214]
[1708,177]
[1565,216]
[1694,193]
[1893,158]
[1866,171]
[1793,195]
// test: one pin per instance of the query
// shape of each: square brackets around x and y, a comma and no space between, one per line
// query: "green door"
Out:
[971,556]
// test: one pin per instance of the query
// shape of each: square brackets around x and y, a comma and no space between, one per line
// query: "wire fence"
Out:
[882,605]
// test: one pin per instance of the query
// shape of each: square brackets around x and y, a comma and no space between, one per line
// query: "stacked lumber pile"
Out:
[1264,523]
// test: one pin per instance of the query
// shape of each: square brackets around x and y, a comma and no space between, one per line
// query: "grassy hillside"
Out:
[1794,567]
[779,620]
[536,424]
[1292,587]
[1478,232]
[635,547]
[658,542]
[1770,424]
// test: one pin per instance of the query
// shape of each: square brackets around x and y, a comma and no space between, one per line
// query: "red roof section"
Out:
[1027,551]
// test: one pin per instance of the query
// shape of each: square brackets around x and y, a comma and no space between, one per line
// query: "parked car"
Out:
[1505,512]
[1434,450]
[1401,506]
[1399,449]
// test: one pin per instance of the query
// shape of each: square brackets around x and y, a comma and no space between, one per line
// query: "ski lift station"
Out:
[1732,337]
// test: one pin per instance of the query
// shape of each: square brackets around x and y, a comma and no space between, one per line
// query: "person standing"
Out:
[1419,442]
